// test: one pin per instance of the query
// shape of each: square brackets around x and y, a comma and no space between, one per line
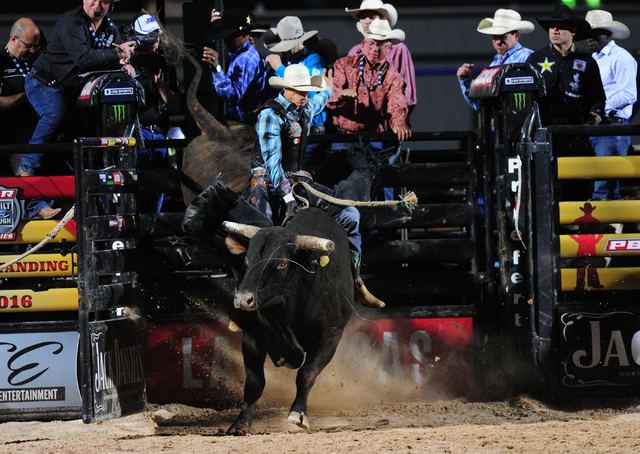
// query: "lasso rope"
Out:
[50,236]
[410,199]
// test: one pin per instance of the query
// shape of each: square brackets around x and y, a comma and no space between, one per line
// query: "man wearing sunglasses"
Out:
[17,117]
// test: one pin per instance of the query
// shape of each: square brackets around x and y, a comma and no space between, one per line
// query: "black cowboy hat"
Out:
[233,21]
[562,13]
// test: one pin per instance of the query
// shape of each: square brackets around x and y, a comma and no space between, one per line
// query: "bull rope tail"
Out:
[410,199]
[50,236]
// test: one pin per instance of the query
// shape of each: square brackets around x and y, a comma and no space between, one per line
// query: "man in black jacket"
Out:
[83,40]
[575,94]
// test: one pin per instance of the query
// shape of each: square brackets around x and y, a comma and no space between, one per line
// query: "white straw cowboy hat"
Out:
[603,20]
[505,21]
[386,10]
[297,77]
[291,33]
[380,30]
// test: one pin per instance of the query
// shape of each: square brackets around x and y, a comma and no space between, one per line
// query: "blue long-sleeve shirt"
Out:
[268,129]
[517,54]
[243,87]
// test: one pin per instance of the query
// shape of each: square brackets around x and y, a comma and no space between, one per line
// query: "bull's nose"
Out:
[244,301]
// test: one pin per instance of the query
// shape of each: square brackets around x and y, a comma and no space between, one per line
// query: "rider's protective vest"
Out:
[293,135]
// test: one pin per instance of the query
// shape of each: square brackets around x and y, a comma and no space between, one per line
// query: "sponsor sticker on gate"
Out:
[10,213]
[486,77]
[623,245]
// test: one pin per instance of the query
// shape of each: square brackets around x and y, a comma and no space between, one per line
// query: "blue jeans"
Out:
[49,103]
[609,146]
[152,158]
[349,220]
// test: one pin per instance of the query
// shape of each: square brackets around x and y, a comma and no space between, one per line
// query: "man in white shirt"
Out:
[618,70]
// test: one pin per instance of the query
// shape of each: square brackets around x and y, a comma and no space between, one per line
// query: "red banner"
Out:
[203,362]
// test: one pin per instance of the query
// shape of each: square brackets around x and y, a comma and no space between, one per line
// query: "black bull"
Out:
[298,289]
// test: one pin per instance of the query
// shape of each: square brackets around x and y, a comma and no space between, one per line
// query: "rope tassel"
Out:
[410,199]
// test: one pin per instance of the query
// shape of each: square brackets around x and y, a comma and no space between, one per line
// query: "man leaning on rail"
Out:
[83,40]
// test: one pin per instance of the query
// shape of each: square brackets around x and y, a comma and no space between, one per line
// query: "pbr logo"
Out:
[623,245]
[10,213]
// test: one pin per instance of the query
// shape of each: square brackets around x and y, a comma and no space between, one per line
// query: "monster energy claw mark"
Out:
[118,112]
[520,100]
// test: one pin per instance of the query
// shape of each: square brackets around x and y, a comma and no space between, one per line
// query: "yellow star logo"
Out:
[248,19]
[546,66]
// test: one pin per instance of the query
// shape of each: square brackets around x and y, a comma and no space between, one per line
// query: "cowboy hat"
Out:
[297,77]
[505,21]
[233,21]
[386,10]
[603,20]
[291,33]
[379,30]
[562,13]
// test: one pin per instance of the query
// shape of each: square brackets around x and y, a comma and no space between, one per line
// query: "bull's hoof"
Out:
[239,430]
[299,419]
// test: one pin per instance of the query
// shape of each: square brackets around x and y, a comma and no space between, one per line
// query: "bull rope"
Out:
[50,236]
[410,199]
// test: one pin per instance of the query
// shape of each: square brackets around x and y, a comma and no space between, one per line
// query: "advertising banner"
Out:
[38,371]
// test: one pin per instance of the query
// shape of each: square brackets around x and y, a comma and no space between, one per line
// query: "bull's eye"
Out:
[283,265]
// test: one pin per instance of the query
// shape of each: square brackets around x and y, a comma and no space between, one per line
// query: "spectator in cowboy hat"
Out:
[399,56]
[243,87]
[618,70]
[575,95]
[574,88]
[506,27]
[256,29]
[369,94]
[291,45]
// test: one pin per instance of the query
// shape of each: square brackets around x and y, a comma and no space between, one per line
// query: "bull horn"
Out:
[245,230]
[315,243]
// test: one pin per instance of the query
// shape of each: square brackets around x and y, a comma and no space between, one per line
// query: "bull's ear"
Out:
[234,246]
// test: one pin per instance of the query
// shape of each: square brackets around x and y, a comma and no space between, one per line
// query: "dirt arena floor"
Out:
[349,415]
[522,425]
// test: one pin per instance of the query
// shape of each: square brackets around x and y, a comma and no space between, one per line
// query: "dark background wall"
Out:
[440,39]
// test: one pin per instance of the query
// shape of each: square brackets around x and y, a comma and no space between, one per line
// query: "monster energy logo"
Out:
[521,100]
[118,112]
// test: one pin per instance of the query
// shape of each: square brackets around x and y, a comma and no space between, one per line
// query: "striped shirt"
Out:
[517,54]
[400,58]
[243,88]
[268,129]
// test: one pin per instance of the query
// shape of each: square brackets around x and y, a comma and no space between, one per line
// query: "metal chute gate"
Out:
[565,317]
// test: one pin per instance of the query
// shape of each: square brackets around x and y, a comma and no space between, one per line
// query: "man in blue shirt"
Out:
[506,27]
[243,87]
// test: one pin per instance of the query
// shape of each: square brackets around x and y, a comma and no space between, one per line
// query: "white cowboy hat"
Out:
[291,33]
[380,30]
[604,20]
[386,10]
[505,21]
[297,77]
